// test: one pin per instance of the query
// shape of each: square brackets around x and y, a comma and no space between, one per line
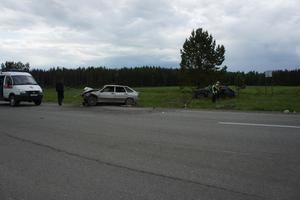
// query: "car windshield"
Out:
[23,80]
[129,90]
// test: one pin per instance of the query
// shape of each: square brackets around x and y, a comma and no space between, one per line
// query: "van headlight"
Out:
[22,92]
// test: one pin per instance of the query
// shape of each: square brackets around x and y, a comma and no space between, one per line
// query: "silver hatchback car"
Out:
[110,94]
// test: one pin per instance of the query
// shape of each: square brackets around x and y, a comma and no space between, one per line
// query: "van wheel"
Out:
[12,100]
[129,102]
[92,101]
[38,102]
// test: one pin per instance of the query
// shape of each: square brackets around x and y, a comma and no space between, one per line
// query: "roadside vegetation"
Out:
[250,98]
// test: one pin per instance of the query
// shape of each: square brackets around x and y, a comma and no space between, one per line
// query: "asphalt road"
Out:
[51,152]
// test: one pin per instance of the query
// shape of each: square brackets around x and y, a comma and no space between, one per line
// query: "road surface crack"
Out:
[130,168]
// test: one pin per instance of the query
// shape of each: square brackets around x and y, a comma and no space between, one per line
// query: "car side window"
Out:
[120,90]
[108,89]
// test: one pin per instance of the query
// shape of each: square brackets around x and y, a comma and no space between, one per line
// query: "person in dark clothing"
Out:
[60,92]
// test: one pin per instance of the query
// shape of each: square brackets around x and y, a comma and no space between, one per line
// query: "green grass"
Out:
[72,95]
[251,98]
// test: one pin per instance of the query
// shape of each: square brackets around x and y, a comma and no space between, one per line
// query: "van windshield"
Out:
[23,80]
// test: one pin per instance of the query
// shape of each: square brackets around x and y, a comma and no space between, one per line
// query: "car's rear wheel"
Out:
[129,102]
[200,96]
[92,100]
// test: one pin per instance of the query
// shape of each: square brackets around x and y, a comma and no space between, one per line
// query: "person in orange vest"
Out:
[215,91]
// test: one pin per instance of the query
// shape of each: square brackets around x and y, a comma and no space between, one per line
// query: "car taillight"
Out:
[8,86]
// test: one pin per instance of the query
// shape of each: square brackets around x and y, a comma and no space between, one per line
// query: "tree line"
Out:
[279,77]
[10,65]
[99,76]
[153,76]
[145,76]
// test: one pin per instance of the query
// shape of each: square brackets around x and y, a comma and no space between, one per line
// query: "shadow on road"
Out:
[6,104]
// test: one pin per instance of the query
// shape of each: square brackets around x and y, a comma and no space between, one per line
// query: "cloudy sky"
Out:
[257,34]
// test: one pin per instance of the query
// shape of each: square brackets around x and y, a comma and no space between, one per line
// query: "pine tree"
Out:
[200,57]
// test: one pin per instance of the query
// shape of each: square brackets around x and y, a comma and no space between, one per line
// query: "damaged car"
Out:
[224,92]
[110,94]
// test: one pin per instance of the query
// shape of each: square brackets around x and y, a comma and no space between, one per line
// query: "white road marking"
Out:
[264,125]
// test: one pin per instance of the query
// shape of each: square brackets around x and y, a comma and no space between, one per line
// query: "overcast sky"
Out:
[257,34]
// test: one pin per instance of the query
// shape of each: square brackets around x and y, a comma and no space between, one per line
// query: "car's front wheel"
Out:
[92,100]
[38,102]
[13,101]
[129,102]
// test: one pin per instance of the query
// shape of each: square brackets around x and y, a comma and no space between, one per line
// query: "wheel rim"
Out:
[92,101]
[12,101]
[129,102]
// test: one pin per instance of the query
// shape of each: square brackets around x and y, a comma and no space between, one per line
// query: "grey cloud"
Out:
[135,61]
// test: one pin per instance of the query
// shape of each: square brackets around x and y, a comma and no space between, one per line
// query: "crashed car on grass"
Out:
[224,92]
[110,94]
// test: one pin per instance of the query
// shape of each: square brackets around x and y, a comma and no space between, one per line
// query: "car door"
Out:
[1,86]
[120,94]
[107,94]
[7,87]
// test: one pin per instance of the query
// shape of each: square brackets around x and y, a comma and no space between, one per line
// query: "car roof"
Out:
[115,85]
[15,73]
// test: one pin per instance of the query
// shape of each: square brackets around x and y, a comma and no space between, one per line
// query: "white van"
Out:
[19,86]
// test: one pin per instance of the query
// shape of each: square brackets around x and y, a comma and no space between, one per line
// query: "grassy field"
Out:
[251,98]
